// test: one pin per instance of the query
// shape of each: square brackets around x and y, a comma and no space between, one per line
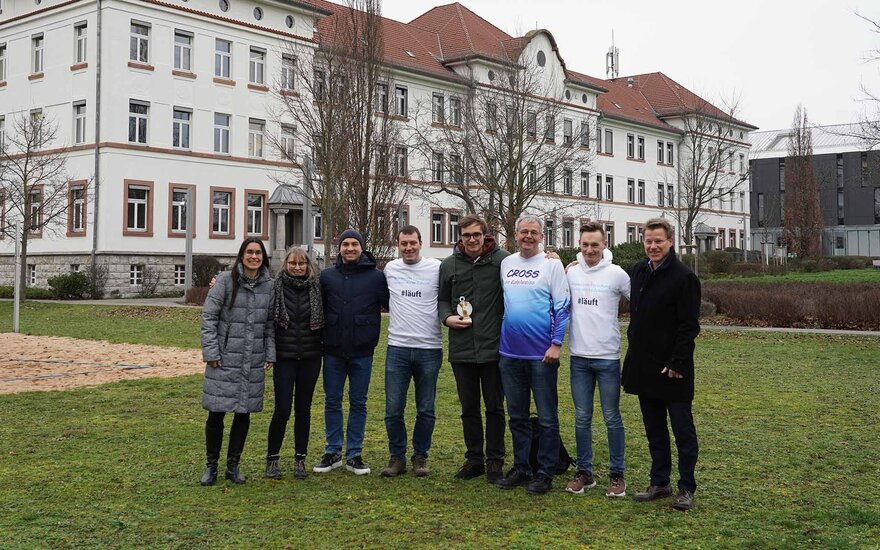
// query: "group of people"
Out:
[507,315]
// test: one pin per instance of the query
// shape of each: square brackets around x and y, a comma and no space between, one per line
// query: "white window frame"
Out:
[141,121]
[640,147]
[139,43]
[222,59]
[179,275]
[401,99]
[640,191]
[567,182]
[178,210]
[181,128]
[400,161]
[221,213]
[609,141]
[257,66]
[661,194]
[135,274]
[631,190]
[660,151]
[256,135]
[80,43]
[670,148]
[455,111]
[318,226]
[453,233]
[288,72]
[79,122]
[438,108]
[137,205]
[288,141]
[2,134]
[567,131]
[255,214]
[585,183]
[436,166]
[78,200]
[32,274]
[585,133]
[438,220]
[2,62]
[381,99]
[37,45]
[222,134]
[183,50]
[630,146]
[609,187]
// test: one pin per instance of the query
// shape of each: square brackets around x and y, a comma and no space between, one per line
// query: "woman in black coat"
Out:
[299,320]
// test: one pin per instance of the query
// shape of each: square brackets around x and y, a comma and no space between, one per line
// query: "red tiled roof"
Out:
[464,34]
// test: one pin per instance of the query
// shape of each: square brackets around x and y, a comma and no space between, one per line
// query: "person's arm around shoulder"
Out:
[624,285]
[211,312]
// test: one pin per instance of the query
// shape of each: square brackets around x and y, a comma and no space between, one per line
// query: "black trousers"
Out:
[295,382]
[654,416]
[241,422]
[472,380]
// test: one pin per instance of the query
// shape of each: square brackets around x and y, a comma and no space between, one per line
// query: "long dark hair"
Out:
[238,259]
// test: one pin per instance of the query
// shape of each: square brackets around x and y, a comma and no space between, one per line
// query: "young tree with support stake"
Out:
[33,180]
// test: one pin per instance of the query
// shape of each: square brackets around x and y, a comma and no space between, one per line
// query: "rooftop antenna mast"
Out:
[612,60]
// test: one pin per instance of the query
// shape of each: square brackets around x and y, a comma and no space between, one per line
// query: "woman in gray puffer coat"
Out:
[238,343]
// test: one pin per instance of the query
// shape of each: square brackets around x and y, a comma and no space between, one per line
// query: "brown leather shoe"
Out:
[420,466]
[684,501]
[494,470]
[653,492]
[396,466]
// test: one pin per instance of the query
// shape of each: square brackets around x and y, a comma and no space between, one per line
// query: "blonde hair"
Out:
[299,253]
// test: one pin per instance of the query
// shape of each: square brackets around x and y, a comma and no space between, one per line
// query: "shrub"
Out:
[150,282]
[850,262]
[196,295]
[718,261]
[203,269]
[69,286]
[97,277]
[567,255]
[30,293]
[626,255]
[747,269]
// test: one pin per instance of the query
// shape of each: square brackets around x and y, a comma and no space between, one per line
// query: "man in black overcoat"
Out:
[659,366]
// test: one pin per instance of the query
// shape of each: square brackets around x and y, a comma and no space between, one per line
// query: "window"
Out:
[722,193]
[79,122]
[840,210]
[135,274]
[549,179]
[567,129]
[256,203]
[453,227]
[437,167]
[599,186]
[631,190]
[840,171]
[34,210]
[37,126]
[2,132]
[549,232]
[288,70]
[138,208]
[257,74]
[877,205]
[742,201]
[609,142]
[532,124]
[609,233]
[670,196]
[74,268]
[319,85]
[566,182]
[381,97]
[180,128]
[660,146]
[660,201]
[318,225]
[400,101]
[761,217]
[183,50]
[549,128]
[730,161]
[641,196]
[222,58]
[782,174]
[532,176]
[567,233]
[669,146]
[178,209]
[221,133]
[79,43]
[400,165]
[491,116]
[439,110]
[585,184]
[585,134]
[288,142]
[864,171]
[719,243]
[437,220]
[632,233]
[640,147]
[630,146]
[2,62]
[37,54]
[455,111]
[731,236]
[220,211]
[742,163]
[609,188]
[179,275]
[256,128]
[138,112]
[456,169]
[139,43]
[32,274]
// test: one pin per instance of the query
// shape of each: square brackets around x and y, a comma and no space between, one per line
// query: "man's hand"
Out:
[214,364]
[570,265]
[551,356]
[551,255]
[456,322]
[671,373]
[213,282]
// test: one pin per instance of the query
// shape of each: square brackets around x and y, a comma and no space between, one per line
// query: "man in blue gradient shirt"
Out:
[536,312]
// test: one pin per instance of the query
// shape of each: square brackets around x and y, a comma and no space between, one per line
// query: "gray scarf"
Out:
[316,304]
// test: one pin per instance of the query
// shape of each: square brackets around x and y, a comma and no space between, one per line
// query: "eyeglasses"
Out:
[527,232]
[298,264]
[471,236]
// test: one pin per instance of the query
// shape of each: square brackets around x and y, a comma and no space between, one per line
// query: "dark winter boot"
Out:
[273,468]
[237,436]
[213,442]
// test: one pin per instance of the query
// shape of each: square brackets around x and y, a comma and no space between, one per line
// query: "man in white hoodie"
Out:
[594,341]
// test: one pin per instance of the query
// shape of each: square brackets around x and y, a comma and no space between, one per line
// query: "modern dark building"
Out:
[848,177]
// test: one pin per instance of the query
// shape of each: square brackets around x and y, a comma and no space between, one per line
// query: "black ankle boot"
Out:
[209,476]
[232,473]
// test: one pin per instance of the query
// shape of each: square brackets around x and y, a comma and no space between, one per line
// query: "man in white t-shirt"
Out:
[594,341]
[415,350]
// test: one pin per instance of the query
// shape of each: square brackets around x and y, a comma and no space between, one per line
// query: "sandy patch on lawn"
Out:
[44,363]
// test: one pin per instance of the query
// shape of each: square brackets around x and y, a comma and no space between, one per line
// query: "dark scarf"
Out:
[316,305]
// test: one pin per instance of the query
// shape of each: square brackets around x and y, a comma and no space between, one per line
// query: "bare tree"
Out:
[495,149]
[333,110]
[33,180]
[802,218]
[707,163]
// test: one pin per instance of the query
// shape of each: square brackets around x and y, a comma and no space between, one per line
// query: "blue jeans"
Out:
[585,374]
[358,370]
[422,366]
[520,377]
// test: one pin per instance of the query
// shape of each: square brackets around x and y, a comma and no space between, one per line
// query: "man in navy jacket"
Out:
[354,293]
[664,311]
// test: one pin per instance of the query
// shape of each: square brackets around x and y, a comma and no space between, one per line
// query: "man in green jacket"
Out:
[471,304]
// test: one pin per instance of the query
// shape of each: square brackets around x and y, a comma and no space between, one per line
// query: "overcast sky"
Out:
[770,54]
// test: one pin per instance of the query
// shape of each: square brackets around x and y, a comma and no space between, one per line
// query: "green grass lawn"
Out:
[868,275]
[789,433]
